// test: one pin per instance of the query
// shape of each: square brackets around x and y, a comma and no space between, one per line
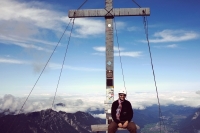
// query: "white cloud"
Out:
[122,53]
[37,13]
[133,28]
[117,49]
[25,24]
[38,66]
[29,24]
[102,116]
[173,36]
[14,104]
[88,27]
[78,102]
[58,66]
[100,49]
[99,54]
[28,43]
[11,61]
[120,25]
[184,98]
[85,27]
[171,46]
[84,69]
[103,48]
[129,54]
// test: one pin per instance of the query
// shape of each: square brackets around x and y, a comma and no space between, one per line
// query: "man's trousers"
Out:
[112,128]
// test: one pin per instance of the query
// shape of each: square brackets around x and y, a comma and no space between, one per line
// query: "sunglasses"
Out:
[122,95]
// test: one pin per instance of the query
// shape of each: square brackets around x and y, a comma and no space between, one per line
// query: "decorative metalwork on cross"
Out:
[109,13]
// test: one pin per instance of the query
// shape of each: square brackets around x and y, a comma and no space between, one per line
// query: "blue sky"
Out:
[30,29]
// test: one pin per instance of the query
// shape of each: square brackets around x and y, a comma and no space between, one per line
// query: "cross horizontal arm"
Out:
[113,12]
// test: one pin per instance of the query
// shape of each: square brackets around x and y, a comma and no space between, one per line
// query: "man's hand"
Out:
[120,125]
[125,124]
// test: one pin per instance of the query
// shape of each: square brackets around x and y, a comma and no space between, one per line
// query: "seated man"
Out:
[122,113]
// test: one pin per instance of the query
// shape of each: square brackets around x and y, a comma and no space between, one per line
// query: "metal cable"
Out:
[63,62]
[136,3]
[82,4]
[66,52]
[47,64]
[42,71]
[120,54]
[145,21]
[146,32]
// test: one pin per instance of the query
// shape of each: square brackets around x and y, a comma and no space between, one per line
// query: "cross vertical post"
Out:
[109,59]
[109,13]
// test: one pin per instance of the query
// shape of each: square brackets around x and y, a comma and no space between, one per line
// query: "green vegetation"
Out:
[155,128]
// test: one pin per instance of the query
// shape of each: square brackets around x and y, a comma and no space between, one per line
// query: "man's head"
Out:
[122,95]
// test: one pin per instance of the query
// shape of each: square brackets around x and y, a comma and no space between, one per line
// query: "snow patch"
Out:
[196,115]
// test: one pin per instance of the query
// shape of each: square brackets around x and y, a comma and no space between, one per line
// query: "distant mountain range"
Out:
[177,119]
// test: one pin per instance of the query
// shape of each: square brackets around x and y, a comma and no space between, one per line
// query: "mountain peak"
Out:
[48,121]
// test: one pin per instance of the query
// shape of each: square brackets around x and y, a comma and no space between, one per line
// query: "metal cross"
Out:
[109,13]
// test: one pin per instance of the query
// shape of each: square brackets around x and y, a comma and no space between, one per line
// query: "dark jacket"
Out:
[126,112]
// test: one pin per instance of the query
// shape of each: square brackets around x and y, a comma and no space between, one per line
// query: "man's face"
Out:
[122,96]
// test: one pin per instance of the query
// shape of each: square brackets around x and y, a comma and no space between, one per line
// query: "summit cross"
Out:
[109,13]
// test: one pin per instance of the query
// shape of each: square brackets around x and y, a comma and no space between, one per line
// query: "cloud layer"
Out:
[85,102]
